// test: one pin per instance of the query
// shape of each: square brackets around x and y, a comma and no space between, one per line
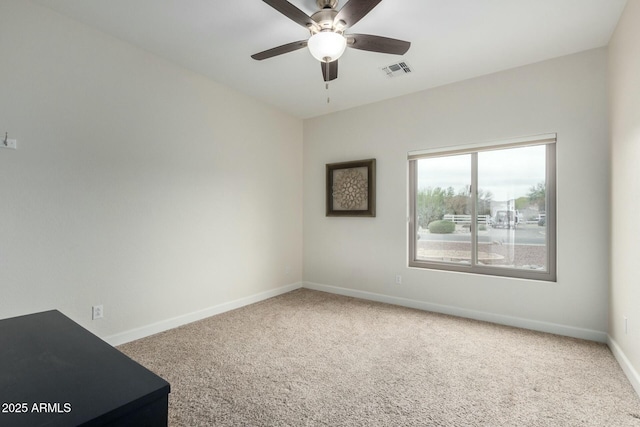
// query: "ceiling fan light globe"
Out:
[327,46]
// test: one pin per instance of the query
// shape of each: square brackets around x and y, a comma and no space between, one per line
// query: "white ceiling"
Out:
[452,40]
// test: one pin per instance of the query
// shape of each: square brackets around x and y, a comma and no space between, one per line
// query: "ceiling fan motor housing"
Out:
[324,4]
[325,19]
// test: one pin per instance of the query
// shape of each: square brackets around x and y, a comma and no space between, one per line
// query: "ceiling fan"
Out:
[328,40]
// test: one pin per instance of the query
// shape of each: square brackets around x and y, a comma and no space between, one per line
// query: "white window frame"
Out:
[549,140]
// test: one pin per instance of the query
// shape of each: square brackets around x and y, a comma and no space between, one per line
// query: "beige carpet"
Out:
[309,358]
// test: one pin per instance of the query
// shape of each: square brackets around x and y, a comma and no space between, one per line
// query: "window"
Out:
[487,210]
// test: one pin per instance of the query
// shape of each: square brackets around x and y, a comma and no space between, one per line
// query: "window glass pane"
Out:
[511,208]
[443,209]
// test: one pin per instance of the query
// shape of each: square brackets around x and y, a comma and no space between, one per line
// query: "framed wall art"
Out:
[351,188]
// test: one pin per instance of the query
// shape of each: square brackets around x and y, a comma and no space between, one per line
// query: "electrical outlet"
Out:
[398,279]
[97,312]
[626,325]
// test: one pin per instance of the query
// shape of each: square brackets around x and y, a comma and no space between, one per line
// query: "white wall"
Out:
[624,69]
[362,255]
[136,184]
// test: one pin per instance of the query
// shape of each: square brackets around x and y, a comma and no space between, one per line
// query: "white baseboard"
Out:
[164,325]
[536,325]
[625,364]
[592,335]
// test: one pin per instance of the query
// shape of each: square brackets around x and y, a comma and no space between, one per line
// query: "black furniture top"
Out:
[53,372]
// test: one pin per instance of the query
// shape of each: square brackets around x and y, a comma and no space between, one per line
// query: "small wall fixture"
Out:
[8,143]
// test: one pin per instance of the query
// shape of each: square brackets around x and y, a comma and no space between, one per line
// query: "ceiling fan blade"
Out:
[377,44]
[354,11]
[329,70]
[292,12]
[285,48]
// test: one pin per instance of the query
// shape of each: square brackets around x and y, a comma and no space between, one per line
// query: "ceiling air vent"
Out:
[397,70]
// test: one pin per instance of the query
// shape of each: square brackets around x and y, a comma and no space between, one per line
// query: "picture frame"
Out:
[351,188]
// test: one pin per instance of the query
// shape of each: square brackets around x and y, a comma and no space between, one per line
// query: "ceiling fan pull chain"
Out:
[326,84]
